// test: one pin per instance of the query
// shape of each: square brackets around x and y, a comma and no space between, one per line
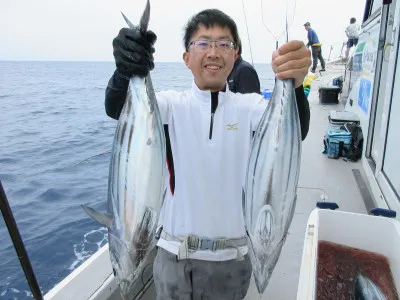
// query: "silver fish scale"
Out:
[271,181]
[136,183]
[136,179]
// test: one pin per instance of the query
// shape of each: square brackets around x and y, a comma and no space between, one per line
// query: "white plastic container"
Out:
[371,233]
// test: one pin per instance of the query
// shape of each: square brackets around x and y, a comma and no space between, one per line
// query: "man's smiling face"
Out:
[211,65]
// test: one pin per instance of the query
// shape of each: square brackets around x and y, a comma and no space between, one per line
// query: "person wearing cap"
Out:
[316,50]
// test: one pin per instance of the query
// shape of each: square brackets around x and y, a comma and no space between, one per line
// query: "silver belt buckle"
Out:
[207,244]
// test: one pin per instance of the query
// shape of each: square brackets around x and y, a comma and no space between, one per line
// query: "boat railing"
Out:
[334,52]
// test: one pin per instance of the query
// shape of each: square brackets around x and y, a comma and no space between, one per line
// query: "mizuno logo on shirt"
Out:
[231,126]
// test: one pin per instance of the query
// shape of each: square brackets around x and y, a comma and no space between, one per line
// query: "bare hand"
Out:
[292,60]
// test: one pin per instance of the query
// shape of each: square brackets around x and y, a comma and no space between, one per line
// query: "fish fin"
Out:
[103,218]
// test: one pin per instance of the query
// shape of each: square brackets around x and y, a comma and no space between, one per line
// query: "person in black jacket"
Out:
[243,78]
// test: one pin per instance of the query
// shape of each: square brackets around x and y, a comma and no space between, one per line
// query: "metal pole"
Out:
[19,245]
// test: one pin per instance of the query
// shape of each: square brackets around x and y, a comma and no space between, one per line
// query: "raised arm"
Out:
[115,94]
[309,37]
[304,111]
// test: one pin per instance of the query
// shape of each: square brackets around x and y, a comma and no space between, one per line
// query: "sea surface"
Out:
[55,140]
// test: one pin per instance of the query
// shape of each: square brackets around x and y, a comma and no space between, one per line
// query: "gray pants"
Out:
[191,279]
[316,53]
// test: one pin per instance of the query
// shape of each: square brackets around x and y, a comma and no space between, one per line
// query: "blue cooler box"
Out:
[267,93]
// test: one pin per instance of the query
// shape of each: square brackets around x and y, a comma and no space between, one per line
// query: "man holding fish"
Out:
[202,247]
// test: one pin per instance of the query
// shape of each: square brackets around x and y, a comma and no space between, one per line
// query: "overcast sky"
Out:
[83,29]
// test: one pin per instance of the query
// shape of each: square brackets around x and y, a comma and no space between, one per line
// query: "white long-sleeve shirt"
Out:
[209,165]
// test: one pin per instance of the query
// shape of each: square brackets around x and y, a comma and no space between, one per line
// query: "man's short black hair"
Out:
[210,18]
[352,20]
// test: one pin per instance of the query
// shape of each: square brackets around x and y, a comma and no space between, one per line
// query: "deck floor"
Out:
[318,172]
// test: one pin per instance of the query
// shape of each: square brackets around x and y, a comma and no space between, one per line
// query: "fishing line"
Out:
[91,158]
[265,25]
[248,35]
[287,25]
[286,22]
[324,195]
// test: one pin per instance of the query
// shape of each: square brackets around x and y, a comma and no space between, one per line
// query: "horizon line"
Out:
[100,61]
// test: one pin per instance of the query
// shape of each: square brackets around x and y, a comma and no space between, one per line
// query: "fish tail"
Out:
[144,20]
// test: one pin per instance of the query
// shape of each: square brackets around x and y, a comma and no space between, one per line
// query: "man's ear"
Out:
[185,57]
[236,53]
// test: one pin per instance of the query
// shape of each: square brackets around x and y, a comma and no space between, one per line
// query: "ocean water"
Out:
[54,155]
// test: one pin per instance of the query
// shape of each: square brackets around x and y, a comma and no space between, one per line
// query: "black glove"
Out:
[133,52]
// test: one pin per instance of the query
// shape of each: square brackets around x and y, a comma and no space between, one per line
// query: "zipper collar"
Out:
[205,96]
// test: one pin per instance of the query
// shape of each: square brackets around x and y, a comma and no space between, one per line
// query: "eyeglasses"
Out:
[204,45]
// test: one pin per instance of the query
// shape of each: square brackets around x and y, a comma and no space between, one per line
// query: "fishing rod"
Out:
[248,35]
[276,38]
[286,22]
[19,245]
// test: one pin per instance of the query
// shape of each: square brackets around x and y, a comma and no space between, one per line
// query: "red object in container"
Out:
[338,267]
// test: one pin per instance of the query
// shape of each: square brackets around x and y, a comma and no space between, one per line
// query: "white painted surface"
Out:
[83,282]
[391,162]
[376,234]
[384,178]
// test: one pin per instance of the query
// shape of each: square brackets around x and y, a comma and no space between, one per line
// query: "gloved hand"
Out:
[133,52]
